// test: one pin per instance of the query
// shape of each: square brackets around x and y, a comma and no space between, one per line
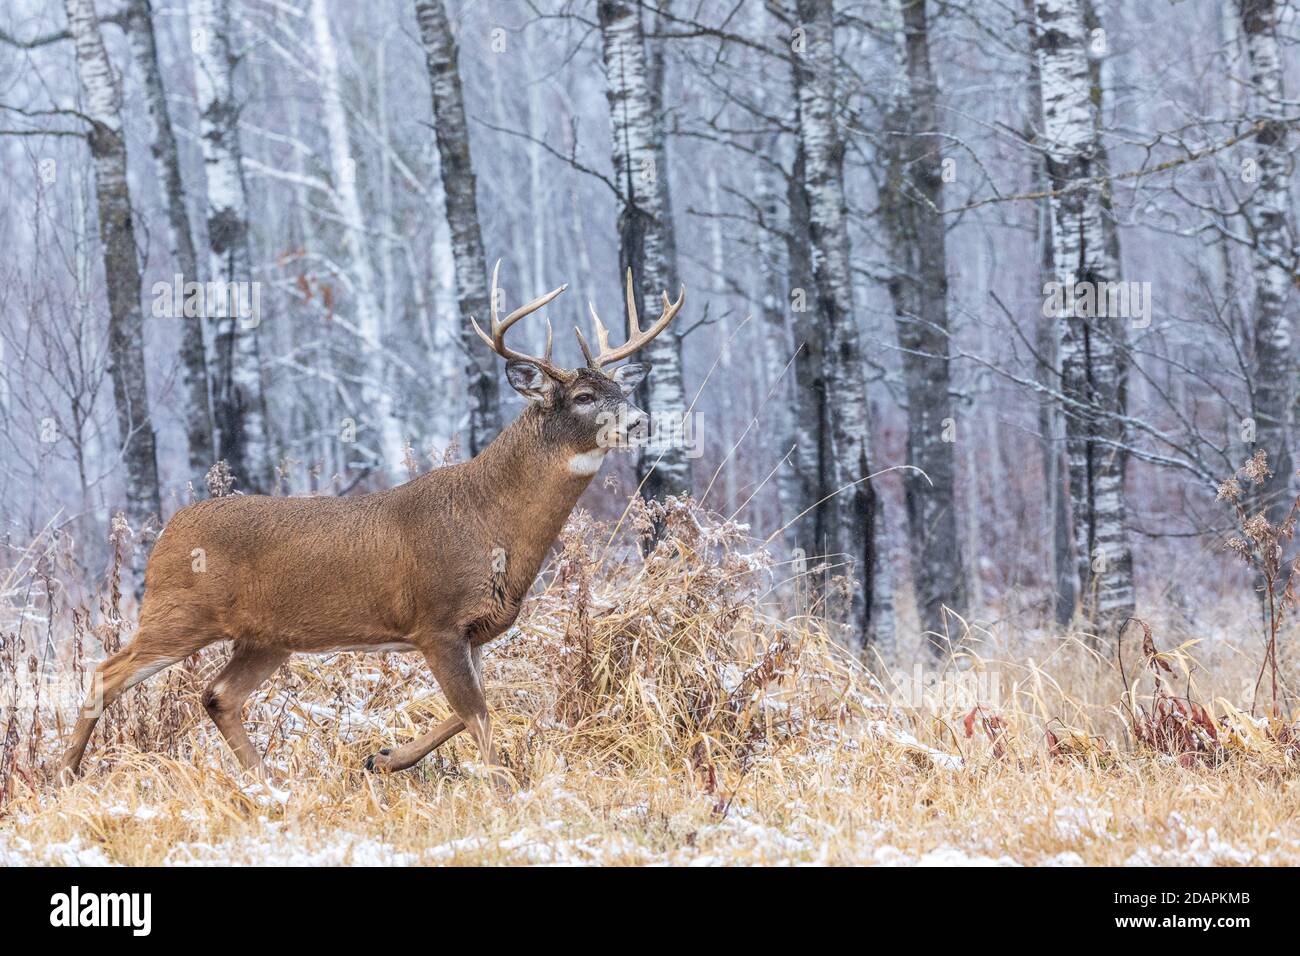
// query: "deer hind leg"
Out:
[247,670]
[145,656]
[412,752]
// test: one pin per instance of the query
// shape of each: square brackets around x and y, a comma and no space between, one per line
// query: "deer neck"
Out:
[529,486]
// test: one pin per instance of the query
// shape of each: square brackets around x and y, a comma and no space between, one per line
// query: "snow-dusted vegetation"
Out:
[670,710]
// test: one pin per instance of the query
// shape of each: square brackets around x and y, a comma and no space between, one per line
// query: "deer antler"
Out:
[496,341]
[636,339]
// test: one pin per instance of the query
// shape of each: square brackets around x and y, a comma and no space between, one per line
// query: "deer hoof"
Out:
[370,761]
[65,777]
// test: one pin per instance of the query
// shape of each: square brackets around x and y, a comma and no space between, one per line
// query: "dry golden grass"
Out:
[666,710]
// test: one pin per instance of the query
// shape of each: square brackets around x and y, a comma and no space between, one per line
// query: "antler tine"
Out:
[496,341]
[602,333]
[636,338]
[674,307]
[602,339]
[492,296]
[633,325]
[530,307]
[582,339]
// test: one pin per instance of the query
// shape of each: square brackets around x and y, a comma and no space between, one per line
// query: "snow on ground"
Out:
[15,851]
[1084,820]
[280,849]
[882,730]
[736,838]
[939,856]
[565,837]
[1196,847]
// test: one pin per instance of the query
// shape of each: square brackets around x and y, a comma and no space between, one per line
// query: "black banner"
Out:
[137,907]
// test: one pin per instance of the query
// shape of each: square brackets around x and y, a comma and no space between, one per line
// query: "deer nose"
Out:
[638,423]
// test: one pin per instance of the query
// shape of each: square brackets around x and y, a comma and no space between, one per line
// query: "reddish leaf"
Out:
[1205,721]
[1149,651]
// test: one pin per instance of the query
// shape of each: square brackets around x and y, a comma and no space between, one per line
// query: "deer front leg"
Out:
[412,752]
[453,664]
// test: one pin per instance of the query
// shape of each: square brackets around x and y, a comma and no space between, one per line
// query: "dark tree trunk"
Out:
[814,469]
[458,181]
[918,288]
[193,353]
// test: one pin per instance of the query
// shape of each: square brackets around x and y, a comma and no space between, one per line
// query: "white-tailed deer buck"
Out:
[439,565]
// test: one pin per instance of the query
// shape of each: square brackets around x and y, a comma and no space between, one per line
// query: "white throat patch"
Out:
[587,463]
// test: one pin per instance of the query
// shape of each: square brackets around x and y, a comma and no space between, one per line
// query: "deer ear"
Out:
[529,381]
[628,377]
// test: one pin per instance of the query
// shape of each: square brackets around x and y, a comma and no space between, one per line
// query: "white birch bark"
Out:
[102,105]
[856,517]
[447,329]
[239,406]
[1091,349]
[1062,575]
[388,287]
[1268,209]
[732,412]
[376,394]
[645,234]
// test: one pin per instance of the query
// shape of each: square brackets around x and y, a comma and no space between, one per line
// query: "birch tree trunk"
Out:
[1268,210]
[1093,28]
[376,389]
[646,241]
[812,459]
[852,531]
[102,105]
[1091,349]
[193,351]
[1063,584]
[918,289]
[459,186]
[239,404]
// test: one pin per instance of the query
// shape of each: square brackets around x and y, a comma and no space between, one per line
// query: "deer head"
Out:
[587,409]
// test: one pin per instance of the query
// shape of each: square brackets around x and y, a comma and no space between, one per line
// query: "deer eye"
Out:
[583,398]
